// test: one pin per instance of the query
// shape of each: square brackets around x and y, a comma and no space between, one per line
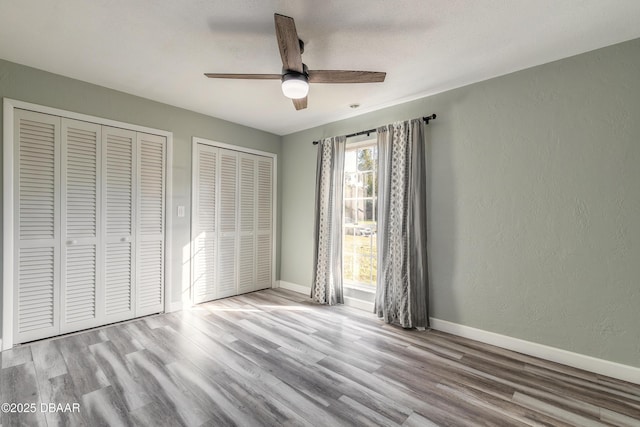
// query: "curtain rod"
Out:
[369,131]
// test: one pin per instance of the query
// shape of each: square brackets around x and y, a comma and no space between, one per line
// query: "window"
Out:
[359,253]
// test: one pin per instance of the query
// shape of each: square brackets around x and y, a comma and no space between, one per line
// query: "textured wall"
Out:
[38,87]
[534,213]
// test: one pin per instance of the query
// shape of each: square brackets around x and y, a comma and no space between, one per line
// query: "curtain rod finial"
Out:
[428,118]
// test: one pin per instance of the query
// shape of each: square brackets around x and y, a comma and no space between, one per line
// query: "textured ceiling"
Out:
[159,49]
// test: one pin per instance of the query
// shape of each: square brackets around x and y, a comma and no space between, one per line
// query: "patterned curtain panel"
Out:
[327,272]
[402,286]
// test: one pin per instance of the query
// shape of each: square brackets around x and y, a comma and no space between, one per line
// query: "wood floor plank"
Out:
[156,414]
[120,376]
[121,339]
[104,407]
[555,411]
[47,359]
[512,413]
[273,358]
[154,376]
[16,356]
[61,390]
[20,387]
[223,408]
[81,365]
[417,420]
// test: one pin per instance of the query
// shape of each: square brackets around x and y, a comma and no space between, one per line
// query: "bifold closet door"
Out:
[246,223]
[204,223]
[232,220]
[228,223]
[89,215]
[264,222]
[119,194]
[150,224]
[36,210]
[81,222]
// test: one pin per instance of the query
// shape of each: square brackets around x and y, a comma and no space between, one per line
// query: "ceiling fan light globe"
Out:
[295,87]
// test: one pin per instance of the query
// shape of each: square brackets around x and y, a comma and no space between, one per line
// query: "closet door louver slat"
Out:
[36,295]
[150,235]
[36,235]
[37,169]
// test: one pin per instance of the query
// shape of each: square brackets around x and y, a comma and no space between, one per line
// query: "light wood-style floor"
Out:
[272,358]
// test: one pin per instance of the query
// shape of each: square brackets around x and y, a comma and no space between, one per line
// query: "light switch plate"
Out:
[180,211]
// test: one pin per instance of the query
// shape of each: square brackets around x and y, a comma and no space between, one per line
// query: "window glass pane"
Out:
[368,183]
[360,203]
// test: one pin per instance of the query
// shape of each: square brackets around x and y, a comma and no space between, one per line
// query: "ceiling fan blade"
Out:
[288,42]
[340,76]
[300,104]
[243,76]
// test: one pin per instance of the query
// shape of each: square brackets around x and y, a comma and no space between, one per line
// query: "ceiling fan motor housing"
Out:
[295,85]
[292,74]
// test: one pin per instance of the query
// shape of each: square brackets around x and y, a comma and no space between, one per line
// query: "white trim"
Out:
[274,219]
[294,287]
[359,141]
[348,301]
[168,223]
[8,220]
[359,304]
[198,140]
[85,117]
[7,226]
[359,287]
[576,360]
[174,306]
[189,298]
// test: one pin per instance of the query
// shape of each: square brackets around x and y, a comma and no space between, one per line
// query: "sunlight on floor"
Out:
[259,308]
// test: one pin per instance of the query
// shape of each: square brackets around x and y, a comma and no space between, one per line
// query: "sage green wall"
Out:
[39,87]
[534,202]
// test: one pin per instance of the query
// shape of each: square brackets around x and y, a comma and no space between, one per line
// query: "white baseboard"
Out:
[358,303]
[294,287]
[175,306]
[553,354]
[351,302]
[576,360]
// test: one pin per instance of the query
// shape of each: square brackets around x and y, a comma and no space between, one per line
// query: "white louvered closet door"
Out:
[119,195]
[205,224]
[151,152]
[232,217]
[228,222]
[80,288]
[264,222]
[36,232]
[246,218]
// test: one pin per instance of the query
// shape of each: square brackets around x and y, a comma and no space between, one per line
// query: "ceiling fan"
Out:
[295,76]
